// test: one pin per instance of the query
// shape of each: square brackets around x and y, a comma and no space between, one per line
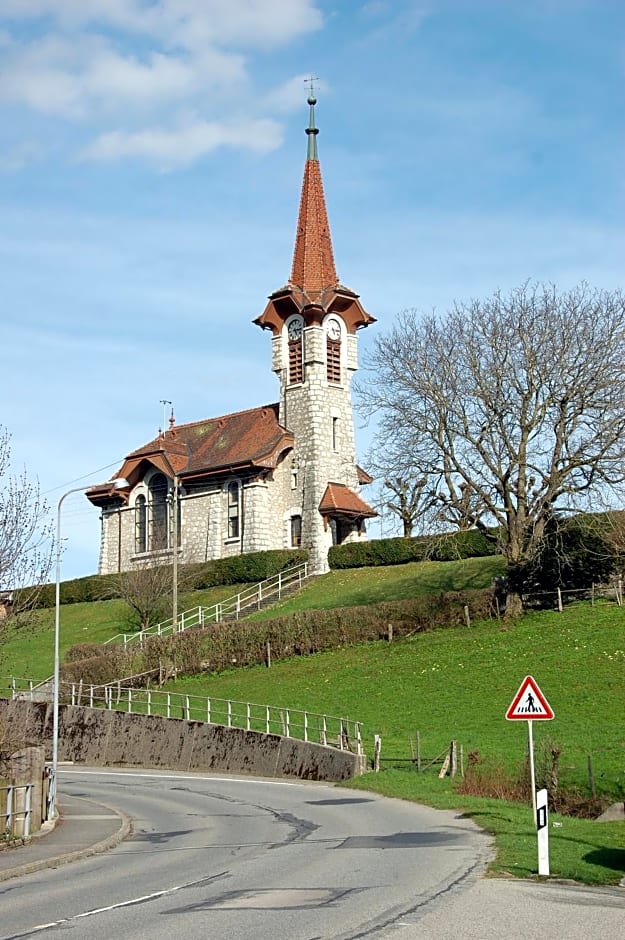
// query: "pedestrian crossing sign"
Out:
[529,704]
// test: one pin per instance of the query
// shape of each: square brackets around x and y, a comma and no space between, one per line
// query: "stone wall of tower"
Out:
[320,415]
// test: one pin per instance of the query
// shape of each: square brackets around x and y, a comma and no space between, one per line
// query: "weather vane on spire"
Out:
[311,83]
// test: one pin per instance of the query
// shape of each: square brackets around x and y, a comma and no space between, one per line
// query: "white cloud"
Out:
[172,148]
[134,68]
[189,23]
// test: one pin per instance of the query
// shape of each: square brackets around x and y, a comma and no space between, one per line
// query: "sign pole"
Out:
[530,734]
[529,704]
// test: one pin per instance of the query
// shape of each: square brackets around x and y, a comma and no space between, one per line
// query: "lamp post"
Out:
[119,483]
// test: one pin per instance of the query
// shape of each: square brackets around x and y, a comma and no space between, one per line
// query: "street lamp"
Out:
[119,483]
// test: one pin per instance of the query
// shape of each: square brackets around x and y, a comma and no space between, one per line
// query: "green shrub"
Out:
[398,551]
[239,569]
[244,643]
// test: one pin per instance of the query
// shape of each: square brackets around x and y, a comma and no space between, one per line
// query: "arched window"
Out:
[141,524]
[296,531]
[333,351]
[234,510]
[159,512]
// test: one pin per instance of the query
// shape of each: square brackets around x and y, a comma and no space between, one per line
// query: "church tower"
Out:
[314,321]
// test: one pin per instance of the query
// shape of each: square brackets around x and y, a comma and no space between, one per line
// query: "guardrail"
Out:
[229,609]
[328,730]
[17,810]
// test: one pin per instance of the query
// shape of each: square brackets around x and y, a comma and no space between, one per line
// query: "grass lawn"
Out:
[355,586]
[27,650]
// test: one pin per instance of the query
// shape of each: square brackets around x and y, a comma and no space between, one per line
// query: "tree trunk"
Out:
[514,606]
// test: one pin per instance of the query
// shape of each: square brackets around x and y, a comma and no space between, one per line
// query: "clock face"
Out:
[295,330]
[334,330]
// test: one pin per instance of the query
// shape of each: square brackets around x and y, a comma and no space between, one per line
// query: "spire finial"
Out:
[311,130]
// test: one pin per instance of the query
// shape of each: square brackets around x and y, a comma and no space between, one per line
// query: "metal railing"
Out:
[328,730]
[272,589]
[17,810]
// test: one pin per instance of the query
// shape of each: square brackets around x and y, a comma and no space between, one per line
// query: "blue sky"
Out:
[151,156]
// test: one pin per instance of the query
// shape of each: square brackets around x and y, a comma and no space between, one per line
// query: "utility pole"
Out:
[174,541]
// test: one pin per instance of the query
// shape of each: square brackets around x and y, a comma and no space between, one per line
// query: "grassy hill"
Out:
[452,683]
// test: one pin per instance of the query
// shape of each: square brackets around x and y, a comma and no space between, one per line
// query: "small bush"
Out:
[398,551]
[239,569]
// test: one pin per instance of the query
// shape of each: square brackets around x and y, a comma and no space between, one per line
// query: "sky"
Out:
[151,159]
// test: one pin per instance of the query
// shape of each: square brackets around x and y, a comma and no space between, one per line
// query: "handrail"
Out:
[231,608]
[328,730]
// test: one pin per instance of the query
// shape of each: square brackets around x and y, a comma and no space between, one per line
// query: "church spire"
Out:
[313,268]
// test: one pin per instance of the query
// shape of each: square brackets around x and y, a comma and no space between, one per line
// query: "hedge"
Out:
[398,551]
[238,569]
[244,642]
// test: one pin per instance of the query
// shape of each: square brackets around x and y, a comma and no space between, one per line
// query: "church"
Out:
[276,476]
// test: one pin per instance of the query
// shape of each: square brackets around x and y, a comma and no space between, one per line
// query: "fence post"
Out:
[267,718]
[358,739]
[453,759]
[305,726]
[247,717]
[324,731]
[559,600]
[467,615]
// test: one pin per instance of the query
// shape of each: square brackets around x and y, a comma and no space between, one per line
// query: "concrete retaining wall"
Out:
[108,738]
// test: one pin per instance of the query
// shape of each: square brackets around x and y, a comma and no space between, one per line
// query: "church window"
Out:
[294,478]
[296,531]
[335,433]
[141,524]
[158,529]
[333,361]
[234,510]
[296,364]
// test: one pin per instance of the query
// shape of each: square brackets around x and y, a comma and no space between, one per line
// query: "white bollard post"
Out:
[542,827]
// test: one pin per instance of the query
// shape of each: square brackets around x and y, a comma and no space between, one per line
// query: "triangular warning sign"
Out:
[529,704]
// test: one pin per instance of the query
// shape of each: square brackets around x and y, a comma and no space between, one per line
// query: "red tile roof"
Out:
[313,259]
[338,498]
[251,439]
[313,288]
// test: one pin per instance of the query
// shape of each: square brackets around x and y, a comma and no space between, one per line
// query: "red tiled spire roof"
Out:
[313,289]
[313,260]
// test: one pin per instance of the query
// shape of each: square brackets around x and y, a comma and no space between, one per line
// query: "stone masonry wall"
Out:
[108,738]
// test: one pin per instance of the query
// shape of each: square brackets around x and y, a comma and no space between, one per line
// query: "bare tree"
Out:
[409,501]
[26,543]
[516,403]
[147,590]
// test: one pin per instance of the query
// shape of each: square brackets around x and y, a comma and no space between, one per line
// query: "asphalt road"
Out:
[246,858]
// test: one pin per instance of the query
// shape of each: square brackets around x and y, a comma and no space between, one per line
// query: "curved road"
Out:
[239,859]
